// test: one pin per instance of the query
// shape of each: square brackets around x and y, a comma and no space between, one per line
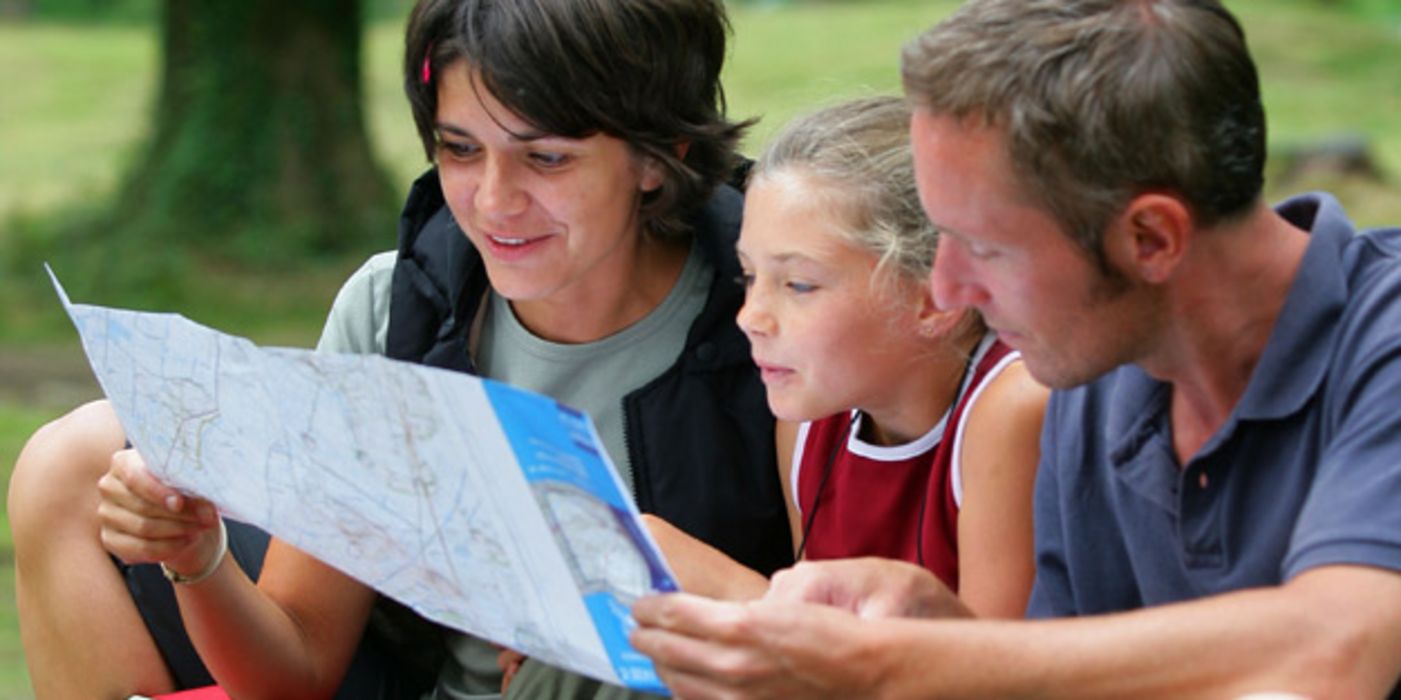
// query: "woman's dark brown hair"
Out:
[644,71]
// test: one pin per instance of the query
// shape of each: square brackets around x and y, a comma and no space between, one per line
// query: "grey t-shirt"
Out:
[593,377]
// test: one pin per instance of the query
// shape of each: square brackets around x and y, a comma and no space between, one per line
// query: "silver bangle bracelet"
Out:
[209,569]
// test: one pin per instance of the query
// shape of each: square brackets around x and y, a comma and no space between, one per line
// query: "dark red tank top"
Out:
[872,500]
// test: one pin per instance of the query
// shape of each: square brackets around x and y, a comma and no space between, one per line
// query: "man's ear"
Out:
[1150,237]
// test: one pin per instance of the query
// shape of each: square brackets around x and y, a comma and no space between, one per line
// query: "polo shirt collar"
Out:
[1142,453]
[1290,370]
[1296,358]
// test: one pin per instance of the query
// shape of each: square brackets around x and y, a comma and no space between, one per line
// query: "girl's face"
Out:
[825,336]
[555,219]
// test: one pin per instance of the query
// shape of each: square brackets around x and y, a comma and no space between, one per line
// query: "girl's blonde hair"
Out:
[856,156]
[857,153]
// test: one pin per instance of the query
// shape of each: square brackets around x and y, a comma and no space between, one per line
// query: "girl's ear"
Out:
[935,322]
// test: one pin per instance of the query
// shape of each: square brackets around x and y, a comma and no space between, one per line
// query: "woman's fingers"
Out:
[142,519]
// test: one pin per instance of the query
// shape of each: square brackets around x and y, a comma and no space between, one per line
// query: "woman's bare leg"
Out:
[82,634]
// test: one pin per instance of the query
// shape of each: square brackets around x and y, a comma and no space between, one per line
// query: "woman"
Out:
[575,238]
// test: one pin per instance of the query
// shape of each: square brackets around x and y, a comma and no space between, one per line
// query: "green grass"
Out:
[76,111]
[74,105]
[789,59]
[1324,74]
[71,113]
[16,424]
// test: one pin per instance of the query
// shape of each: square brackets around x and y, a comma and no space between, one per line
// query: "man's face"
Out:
[1005,257]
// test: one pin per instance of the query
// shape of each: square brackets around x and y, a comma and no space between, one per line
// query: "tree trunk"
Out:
[258,148]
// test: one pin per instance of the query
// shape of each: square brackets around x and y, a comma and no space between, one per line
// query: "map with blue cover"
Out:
[484,507]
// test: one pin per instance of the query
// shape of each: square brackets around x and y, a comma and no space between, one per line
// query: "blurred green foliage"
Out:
[147,11]
[77,115]
[80,76]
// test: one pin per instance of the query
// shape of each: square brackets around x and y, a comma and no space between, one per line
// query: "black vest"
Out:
[699,436]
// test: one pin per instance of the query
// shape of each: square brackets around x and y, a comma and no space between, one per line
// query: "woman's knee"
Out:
[55,477]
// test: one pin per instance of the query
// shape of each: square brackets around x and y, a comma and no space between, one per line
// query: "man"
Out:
[1218,510]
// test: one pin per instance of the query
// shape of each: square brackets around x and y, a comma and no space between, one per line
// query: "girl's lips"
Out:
[773,373]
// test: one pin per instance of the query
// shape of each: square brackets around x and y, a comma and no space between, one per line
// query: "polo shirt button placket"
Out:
[1201,543]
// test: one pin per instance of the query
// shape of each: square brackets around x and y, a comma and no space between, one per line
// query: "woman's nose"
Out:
[499,193]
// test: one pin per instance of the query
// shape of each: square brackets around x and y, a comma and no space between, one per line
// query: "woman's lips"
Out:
[507,246]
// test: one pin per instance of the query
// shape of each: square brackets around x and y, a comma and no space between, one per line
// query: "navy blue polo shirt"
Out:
[1305,472]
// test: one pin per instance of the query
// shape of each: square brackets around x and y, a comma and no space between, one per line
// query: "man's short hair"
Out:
[1102,100]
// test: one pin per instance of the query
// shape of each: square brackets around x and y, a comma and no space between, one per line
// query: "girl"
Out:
[911,432]
[575,238]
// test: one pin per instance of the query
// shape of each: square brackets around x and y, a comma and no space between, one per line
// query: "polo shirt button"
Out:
[1202,481]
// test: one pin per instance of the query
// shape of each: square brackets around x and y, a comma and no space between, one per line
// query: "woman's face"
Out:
[555,219]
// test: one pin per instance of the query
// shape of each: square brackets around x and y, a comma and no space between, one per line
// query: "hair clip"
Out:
[426,75]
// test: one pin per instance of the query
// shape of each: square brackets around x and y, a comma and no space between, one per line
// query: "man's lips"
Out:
[1007,337]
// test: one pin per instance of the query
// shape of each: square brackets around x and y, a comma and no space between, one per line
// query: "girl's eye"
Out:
[802,287]
[745,280]
[979,251]
[548,160]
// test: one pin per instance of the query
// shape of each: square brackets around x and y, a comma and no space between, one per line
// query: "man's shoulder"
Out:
[1372,314]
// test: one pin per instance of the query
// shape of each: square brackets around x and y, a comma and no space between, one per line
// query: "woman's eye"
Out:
[745,280]
[549,160]
[801,287]
[457,150]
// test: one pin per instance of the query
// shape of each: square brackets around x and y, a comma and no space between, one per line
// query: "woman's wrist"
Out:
[213,565]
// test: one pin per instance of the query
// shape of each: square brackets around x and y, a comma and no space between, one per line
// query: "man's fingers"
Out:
[695,668]
[675,629]
[802,582]
[688,686]
[691,615]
